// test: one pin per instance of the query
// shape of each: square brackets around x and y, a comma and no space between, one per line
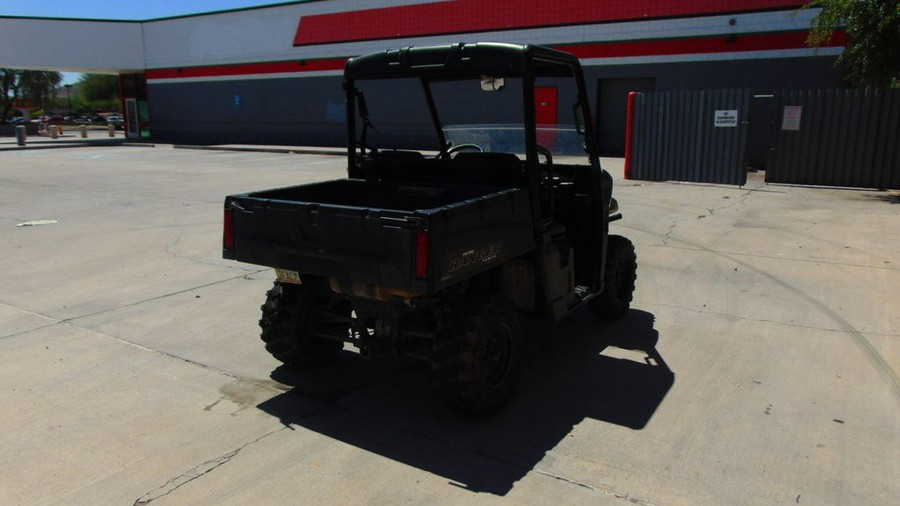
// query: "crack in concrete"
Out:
[196,472]
[669,232]
[601,490]
[710,212]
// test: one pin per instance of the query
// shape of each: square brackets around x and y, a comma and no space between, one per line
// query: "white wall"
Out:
[71,45]
[266,34]
[248,36]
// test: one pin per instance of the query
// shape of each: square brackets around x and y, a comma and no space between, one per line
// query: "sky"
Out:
[128,10]
[121,9]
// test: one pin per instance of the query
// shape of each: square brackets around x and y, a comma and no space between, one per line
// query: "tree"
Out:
[36,86]
[872,55]
[9,92]
[99,92]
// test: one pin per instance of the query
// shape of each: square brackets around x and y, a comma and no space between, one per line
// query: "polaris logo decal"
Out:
[471,258]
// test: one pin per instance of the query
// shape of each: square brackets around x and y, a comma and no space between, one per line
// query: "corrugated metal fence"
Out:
[838,137]
[845,138]
[697,136]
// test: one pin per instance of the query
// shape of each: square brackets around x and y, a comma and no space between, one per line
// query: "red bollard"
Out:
[629,126]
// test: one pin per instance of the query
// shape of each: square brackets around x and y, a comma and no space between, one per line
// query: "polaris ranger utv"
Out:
[471,196]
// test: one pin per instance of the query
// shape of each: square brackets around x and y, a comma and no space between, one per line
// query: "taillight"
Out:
[228,230]
[423,251]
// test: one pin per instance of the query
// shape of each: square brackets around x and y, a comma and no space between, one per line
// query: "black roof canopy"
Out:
[457,61]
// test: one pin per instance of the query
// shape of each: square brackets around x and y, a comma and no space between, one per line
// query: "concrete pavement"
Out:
[758,366]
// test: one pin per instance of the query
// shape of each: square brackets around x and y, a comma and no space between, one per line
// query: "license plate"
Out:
[286,276]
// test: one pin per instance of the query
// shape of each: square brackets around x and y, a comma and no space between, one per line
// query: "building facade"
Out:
[272,75]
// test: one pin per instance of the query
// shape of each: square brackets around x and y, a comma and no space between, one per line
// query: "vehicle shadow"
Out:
[387,408]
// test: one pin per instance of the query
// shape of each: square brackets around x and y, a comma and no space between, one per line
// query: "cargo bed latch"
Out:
[416,223]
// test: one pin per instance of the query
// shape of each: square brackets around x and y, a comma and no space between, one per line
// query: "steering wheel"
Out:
[464,147]
[547,180]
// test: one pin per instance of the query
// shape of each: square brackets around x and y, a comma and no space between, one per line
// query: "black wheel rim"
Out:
[498,354]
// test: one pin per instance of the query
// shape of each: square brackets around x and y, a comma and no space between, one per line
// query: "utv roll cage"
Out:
[468,61]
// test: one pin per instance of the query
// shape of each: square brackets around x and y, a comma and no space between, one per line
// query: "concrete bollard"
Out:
[20,135]
[111,129]
[54,131]
[83,132]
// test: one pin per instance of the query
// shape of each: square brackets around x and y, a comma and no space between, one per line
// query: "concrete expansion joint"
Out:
[50,321]
[196,472]
[602,490]
[30,330]
[245,272]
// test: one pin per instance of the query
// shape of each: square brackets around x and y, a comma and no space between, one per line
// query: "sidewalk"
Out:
[71,137]
[267,148]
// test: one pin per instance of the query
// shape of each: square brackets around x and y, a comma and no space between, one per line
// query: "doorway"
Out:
[131,119]
[137,112]
[546,115]
[612,111]
[763,132]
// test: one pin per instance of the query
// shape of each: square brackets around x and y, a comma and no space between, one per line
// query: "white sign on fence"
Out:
[791,118]
[726,118]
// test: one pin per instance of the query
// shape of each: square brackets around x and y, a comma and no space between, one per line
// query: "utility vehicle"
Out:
[474,193]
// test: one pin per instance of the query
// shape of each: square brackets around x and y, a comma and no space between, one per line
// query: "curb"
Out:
[287,150]
[63,144]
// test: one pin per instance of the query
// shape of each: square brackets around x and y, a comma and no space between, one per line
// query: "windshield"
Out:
[398,116]
[488,117]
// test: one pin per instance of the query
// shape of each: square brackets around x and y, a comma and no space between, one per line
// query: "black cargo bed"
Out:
[370,232]
[382,195]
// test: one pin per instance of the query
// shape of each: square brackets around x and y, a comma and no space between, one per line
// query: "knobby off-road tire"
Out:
[476,360]
[621,273]
[290,314]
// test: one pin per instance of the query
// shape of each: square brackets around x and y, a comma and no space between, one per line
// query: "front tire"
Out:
[477,360]
[618,280]
[293,315]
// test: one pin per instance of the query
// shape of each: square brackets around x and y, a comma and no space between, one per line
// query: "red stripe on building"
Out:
[285,67]
[466,16]
[720,44]
[662,47]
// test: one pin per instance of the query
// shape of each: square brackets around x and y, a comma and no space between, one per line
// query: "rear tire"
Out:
[291,316]
[477,360]
[618,280]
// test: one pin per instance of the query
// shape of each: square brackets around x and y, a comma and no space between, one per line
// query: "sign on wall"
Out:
[726,118]
[791,118]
